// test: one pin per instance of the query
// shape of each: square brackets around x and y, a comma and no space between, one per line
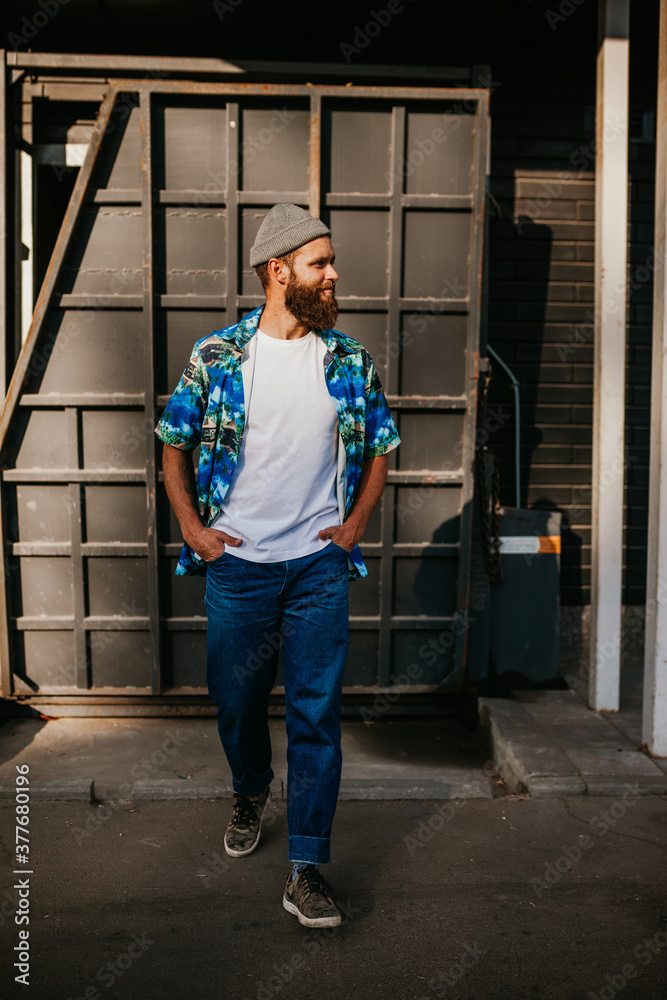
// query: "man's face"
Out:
[310,292]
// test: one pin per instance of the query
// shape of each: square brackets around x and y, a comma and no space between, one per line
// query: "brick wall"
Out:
[541,311]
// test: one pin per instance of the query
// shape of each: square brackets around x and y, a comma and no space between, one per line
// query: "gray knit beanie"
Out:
[285,228]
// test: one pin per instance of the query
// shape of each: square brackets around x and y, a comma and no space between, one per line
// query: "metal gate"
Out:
[152,254]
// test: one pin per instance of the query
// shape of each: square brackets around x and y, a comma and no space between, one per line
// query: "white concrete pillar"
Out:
[654,721]
[611,220]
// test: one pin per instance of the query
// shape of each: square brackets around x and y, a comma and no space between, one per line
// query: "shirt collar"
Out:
[242,332]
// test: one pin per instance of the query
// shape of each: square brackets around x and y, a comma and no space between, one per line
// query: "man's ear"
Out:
[279,270]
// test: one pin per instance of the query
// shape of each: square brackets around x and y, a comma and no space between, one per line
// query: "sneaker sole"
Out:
[241,854]
[310,921]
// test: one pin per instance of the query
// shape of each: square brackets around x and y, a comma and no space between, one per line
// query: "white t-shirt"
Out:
[284,486]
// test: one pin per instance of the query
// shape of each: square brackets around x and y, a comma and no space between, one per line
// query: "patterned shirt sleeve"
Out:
[381,433]
[181,423]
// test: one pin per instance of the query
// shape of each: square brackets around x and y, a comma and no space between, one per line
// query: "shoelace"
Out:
[244,811]
[315,882]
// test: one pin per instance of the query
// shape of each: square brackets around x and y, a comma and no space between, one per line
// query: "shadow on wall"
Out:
[530,336]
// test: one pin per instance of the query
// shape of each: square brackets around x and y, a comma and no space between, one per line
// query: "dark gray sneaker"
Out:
[242,834]
[309,897]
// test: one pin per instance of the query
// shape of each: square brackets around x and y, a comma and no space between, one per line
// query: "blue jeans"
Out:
[254,609]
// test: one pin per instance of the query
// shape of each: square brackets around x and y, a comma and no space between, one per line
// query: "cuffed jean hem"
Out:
[253,787]
[314,850]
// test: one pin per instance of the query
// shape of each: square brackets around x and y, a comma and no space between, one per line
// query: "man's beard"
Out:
[310,305]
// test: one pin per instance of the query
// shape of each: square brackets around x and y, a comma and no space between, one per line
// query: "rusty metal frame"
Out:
[396,201]
[3,219]
[473,375]
[148,311]
[59,61]
[5,669]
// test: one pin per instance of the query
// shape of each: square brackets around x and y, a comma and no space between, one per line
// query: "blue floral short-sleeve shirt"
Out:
[208,408]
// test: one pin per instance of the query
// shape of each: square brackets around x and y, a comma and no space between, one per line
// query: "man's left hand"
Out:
[341,534]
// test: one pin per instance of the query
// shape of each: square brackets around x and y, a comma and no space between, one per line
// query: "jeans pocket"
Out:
[212,562]
[339,547]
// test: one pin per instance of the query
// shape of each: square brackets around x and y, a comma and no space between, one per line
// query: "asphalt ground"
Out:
[506,897]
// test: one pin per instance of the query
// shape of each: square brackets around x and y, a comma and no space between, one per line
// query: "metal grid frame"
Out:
[396,201]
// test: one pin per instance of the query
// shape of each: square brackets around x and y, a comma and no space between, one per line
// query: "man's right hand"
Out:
[209,543]
[179,480]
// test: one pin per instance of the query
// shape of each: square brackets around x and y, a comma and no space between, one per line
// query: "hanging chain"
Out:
[490,503]
[489,497]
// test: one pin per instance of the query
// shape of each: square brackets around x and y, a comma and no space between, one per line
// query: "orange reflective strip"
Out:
[549,543]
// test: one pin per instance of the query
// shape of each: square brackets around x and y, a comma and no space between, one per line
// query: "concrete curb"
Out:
[385,789]
[541,760]
[165,789]
[526,759]
[69,790]
[351,790]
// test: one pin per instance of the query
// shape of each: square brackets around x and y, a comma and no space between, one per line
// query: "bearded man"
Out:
[294,431]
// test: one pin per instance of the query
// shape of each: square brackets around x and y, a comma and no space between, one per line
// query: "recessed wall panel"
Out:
[45,443]
[370,329]
[425,513]
[46,586]
[118,586]
[274,149]
[430,650]
[183,596]
[120,660]
[194,261]
[365,592]
[44,513]
[115,439]
[437,254]
[106,256]
[361,666]
[430,441]
[97,351]
[50,661]
[194,149]
[361,240]
[360,144]
[432,358]
[439,153]
[188,660]
[115,513]
[176,338]
[425,586]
